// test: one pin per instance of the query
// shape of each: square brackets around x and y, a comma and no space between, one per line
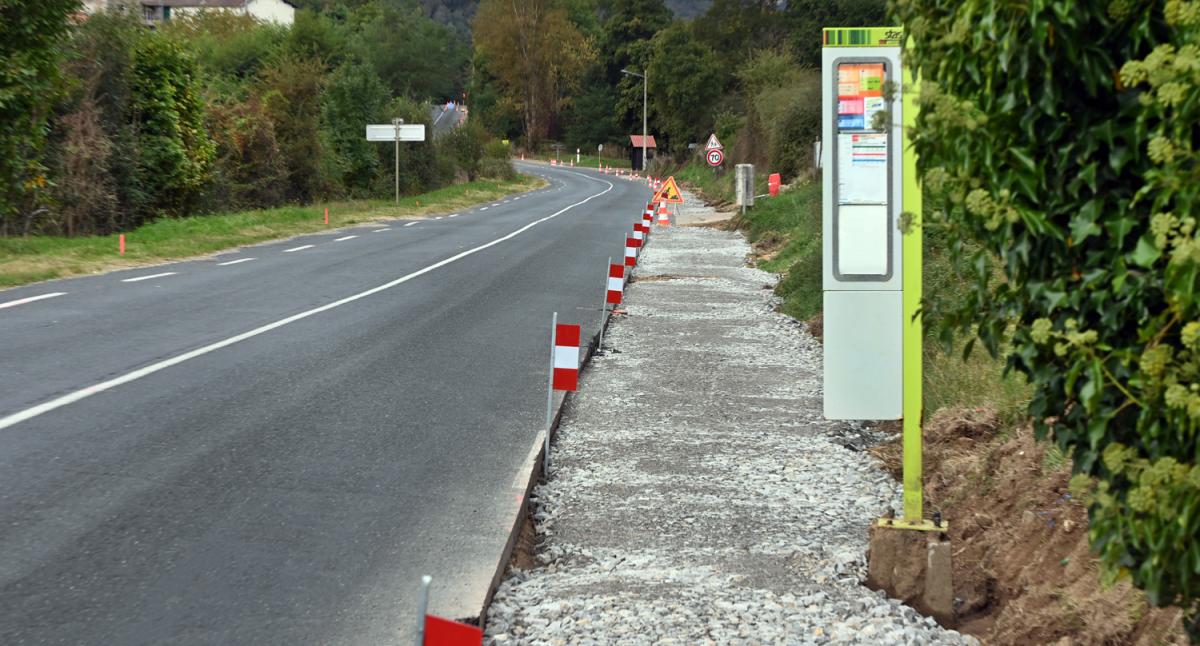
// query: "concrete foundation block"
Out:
[914,567]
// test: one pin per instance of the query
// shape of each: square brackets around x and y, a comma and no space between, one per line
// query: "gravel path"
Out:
[696,494]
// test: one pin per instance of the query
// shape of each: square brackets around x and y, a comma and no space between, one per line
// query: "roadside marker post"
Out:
[630,253]
[564,373]
[433,630]
[612,296]
[422,607]
[872,268]
[327,216]
[121,245]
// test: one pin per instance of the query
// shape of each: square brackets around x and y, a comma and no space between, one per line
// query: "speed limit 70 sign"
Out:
[715,157]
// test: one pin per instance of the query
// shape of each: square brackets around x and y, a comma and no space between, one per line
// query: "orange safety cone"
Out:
[664,218]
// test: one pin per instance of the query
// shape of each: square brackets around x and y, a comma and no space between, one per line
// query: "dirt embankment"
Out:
[1023,573]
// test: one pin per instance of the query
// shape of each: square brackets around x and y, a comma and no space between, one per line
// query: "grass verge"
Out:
[36,258]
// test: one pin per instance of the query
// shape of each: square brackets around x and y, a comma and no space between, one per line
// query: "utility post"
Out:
[645,85]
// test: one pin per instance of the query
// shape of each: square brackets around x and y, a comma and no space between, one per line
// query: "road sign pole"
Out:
[397,123]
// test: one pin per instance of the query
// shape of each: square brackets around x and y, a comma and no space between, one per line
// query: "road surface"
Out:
[444,119]
[270,446]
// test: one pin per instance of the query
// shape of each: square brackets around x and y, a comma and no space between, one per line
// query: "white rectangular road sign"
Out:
[387,132]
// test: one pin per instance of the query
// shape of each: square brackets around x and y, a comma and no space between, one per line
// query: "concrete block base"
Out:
[914,567]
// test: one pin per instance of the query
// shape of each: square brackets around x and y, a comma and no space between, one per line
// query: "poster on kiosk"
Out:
[862,247]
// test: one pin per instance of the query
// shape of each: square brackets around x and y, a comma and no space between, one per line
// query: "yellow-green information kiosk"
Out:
[872,269]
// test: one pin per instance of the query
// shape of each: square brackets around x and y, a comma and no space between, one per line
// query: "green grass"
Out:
[36,258]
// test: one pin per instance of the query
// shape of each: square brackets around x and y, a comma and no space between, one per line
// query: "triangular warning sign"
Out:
[713,143]
[669,193]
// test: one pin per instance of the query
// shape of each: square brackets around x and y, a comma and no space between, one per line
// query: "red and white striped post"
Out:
[639,236]
[564,373]
[630,252]
[612,296]
[433,630]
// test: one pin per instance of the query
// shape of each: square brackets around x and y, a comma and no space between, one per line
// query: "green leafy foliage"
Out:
[683,74]
[1056,141]
[31,36]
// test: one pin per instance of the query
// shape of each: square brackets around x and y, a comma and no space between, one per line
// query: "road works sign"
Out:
[713,143]
[715,157]
[669,193]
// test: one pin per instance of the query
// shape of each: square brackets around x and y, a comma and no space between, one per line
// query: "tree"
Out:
[291,89]
[685,77]
[32,35]
[168,117]
[805,20]
[1057,145]
[627,32]
[537,56]
[413,55]
[353,98]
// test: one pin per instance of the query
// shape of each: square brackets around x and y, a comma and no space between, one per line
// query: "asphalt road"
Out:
[446,120]
[273,451]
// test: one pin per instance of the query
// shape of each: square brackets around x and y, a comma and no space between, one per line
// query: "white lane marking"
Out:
[438,218]
[344,238]
[70,398]
[307,246]
[382,230]
[452,215]
[234,262]
[507,201]
[411,224]
[140,278]
[496,204]
[22,301]
[483,208]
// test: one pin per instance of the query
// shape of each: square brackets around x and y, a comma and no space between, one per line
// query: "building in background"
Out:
[281,12]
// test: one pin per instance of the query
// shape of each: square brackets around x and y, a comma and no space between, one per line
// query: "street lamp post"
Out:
[645,84]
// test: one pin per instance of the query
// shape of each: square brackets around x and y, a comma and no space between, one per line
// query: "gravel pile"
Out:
[696,494]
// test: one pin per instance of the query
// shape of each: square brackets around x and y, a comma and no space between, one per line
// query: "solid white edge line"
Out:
[22,301]
[140,278]
[70,398]
[307,246]
[344,238]
[234,262]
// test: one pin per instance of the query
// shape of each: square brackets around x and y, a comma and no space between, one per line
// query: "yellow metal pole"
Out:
[913,327]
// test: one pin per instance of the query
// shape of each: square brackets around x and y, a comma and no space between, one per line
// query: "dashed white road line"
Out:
[382,230]
[307,246]
[452,215]
[22,301]
[234,262]
[496,204]
[344,238]
[438,218]
[141,278]
[483,208]
[411,224]
[70,398]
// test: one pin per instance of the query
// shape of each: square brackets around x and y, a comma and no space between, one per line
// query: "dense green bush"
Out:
[31,36]
[1057,139]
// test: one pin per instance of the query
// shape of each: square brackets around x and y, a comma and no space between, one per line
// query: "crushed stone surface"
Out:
[696,494]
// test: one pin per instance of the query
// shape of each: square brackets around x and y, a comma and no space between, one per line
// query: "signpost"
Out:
[872,269]
[599,157]
[713,143]
[396,132]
